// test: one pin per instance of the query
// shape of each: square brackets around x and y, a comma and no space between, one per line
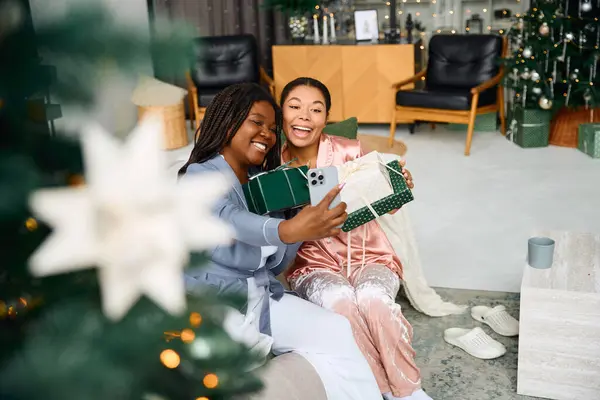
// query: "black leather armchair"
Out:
[221,61]
[462,79]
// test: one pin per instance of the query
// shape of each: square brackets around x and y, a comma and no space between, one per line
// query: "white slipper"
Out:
[496,318]
[475,342]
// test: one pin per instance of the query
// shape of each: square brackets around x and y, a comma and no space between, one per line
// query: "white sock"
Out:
[390,396]
[420,395]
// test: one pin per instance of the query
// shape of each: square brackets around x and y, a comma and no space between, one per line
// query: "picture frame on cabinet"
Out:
[366,25]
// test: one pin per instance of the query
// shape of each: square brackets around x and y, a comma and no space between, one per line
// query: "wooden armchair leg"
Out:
[192,112]
[392,128]
[432,124]
[472,116]
[501,110]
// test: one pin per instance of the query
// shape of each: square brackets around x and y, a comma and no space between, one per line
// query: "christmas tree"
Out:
[94,242]
[555,55]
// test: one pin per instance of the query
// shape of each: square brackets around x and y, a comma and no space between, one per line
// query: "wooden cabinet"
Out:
[359,77]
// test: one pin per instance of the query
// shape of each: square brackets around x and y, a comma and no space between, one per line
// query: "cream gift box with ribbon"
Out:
[372,188]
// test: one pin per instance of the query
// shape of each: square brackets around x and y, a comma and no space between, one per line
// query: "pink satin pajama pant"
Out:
[367,300]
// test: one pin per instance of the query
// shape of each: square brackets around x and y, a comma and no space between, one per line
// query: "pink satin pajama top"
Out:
[332,253]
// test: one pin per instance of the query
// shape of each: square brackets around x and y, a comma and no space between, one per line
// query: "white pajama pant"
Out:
[325,340]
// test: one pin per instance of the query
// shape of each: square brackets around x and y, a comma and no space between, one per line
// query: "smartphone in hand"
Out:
[320,182]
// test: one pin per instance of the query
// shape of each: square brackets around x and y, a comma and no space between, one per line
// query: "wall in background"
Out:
[114,109]
[229,17]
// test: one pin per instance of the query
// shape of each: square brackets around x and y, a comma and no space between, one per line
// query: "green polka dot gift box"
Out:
[281,189]
[401,196]
[588,139]
[529,128]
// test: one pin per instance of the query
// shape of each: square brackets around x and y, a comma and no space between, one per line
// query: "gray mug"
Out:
[540,252]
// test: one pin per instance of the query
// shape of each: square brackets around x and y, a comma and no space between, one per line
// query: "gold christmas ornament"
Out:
[544,29]
[545,103]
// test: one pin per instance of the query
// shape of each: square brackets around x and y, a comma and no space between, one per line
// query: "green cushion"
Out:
[347,128]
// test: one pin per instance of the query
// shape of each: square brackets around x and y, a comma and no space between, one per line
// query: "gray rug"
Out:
[448,373]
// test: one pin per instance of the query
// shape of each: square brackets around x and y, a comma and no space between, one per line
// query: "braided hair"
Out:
[224,116]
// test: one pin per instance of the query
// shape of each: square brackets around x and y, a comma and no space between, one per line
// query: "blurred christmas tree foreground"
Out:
[73,322]
[555,57]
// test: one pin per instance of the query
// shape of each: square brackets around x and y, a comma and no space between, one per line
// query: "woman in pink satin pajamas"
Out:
[364,293]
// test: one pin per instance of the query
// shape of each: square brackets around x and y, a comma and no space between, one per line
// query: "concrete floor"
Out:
[473,215]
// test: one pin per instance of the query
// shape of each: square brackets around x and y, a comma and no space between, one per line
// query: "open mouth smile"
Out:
[260,146]
[301,130]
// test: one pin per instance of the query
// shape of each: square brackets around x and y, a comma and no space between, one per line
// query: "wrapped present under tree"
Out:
[372,188]
[530,127]
[588,140]
[282,189]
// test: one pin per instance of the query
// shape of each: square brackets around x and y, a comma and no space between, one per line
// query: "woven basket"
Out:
[565,125]
[173,117]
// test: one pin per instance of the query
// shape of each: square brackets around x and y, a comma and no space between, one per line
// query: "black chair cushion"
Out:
[447,99]
[206,95]
[462,61]
[221,61]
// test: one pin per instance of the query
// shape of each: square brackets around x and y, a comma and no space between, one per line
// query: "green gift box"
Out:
[483,123]
[281,189]
[402,195]
[530,127]
[588,139]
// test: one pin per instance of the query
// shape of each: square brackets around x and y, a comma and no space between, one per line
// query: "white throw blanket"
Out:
[423,298]
[399,232]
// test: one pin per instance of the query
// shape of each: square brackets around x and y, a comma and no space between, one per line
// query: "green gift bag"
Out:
[402,195]
[530,128]
[588,139]
[282,189]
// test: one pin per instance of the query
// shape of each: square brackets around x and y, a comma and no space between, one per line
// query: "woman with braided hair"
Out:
[239,134]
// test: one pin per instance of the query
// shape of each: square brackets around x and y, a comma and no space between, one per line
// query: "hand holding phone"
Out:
[320,182]
[320,220]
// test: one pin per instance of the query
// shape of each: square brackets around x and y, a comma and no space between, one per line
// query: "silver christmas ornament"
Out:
[537,90]
[525,74]
[569,36]
[545,103]
[559,12]
[527,52]
[520,24]
[535,76]
[544,29]
[585,7]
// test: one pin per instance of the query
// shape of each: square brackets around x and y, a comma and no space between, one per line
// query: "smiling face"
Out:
[255,137]
[304,115]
